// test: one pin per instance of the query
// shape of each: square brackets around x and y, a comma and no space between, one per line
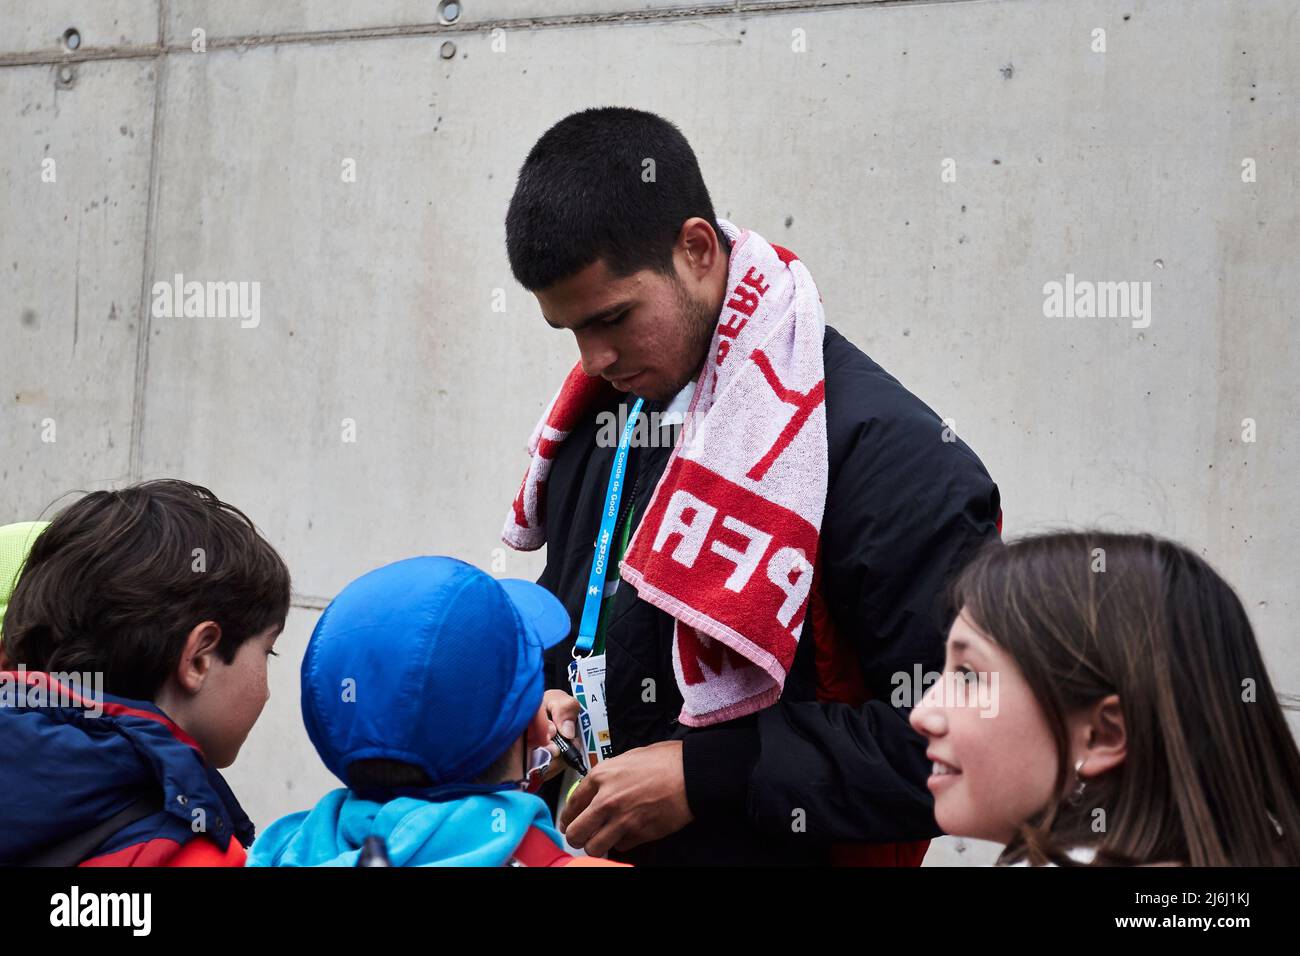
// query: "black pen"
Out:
[570,755]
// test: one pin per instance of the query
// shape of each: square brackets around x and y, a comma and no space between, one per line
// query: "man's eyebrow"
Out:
[597,316]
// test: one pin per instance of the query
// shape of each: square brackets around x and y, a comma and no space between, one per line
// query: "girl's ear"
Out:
[198,655]
[1100,735]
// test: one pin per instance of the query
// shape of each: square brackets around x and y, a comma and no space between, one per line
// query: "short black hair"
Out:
[582,197]
[379,778]
[379,775]
[115,584]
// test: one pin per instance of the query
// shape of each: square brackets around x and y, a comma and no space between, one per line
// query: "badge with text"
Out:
[587,678]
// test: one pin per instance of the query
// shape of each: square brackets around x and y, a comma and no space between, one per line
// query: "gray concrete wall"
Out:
[376,295]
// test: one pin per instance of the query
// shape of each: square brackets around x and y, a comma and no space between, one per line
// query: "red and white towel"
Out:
[728,541]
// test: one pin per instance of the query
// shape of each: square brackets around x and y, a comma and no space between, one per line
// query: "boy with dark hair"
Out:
[134,660]
[420,691]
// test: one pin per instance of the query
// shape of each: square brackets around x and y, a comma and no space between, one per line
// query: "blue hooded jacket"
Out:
[65,769]
[476,829]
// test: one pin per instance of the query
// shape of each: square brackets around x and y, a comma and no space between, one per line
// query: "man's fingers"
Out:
[562,710]
[628,840]
[582,830]
[600,842]
[577,803]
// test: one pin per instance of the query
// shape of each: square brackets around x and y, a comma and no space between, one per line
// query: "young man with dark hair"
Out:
[167,602]
[749,595]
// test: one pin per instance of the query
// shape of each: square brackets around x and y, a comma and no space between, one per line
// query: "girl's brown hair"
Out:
[119,578]
[1211,775]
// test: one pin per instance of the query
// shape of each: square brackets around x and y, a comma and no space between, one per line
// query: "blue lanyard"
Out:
[596,581]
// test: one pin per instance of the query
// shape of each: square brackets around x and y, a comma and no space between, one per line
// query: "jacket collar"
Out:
[192,789]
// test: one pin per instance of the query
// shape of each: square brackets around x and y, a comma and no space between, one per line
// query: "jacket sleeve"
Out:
[905,509]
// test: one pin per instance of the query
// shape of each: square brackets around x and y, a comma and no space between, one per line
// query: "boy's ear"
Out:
[198,655]
[535,734]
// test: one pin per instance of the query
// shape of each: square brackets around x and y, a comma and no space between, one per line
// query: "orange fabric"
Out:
[839,680]
[593,861]
[536,849]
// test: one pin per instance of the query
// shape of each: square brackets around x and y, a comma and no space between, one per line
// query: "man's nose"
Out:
[596,356]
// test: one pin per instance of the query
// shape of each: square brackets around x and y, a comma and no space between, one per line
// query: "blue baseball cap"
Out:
[428,661]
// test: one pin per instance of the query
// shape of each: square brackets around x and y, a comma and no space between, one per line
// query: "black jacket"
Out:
[904,509]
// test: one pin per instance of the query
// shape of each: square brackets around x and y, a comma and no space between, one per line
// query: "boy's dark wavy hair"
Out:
[116,583]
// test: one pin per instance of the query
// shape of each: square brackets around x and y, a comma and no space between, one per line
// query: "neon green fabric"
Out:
[15,543]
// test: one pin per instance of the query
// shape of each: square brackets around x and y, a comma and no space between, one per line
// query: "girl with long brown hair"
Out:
[1126,716]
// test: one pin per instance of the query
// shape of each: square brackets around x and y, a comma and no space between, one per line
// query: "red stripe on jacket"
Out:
[839,680]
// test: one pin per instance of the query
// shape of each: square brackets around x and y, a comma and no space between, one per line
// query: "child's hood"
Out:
[64,770]
[478,829]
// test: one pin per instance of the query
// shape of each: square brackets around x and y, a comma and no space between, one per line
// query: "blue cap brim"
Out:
[546,618]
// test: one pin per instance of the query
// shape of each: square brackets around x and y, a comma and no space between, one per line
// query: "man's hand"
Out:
[561,712]
[628,800]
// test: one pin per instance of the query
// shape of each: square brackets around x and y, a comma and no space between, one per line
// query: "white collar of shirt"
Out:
[675,413]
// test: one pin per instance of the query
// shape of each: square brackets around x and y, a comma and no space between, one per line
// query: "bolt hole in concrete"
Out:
[67,75]
[448,50]
[72,38]
[449,11]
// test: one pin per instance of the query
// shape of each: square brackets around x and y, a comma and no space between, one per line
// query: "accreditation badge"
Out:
[587,678]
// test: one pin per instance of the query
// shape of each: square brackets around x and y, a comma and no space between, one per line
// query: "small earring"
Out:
[1076,797]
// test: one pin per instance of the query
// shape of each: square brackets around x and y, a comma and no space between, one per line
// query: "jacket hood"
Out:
[478,829]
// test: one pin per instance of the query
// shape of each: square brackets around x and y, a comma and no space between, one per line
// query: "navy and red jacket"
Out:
[64,771]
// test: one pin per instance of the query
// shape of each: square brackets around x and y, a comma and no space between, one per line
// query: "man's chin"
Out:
[649,392]
[656,390]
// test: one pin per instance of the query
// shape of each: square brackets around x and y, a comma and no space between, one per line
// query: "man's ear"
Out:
[198,655]
[1101,735]
[699,248]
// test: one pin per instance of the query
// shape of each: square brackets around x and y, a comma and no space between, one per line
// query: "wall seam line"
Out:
[414,30]
[145,329]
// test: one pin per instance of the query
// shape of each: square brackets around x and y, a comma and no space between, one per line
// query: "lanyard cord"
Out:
[605,539]
[622,532]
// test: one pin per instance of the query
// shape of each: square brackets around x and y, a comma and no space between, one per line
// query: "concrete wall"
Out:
[376,295]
